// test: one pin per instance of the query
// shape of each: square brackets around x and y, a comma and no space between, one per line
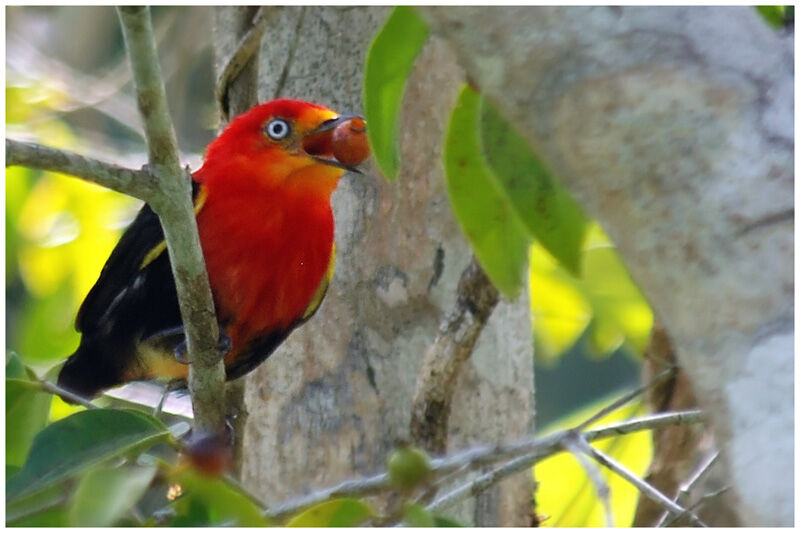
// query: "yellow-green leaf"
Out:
[214,502]
[604,297]
[559,308]
[776,16]
[27,408]
[389,61]
[105,494]
[499,239]
[343,512]
[541,203]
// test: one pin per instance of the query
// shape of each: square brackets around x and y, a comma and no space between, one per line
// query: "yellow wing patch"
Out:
[323,286]
[152,255]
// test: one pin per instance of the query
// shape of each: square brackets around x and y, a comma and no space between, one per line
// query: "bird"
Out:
[266,227]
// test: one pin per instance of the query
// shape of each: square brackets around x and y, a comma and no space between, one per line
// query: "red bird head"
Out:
[287,143]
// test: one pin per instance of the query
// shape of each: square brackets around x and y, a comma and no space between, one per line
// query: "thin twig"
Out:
[174,208]
[537,449]
[248,44]
[686,487]
[521,454]
[136,183]
[643,486]
[624,399]
[442,480]
[64,394]
[350,488]
[594,475]
[481,483]
[703,499]
[656,421]
[162,145]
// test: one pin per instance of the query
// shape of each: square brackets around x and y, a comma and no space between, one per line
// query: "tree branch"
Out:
[685,489]
[52,388]
[703,499]
[173,205]
[521,454]
[476,298]
[247,47]
[594,475]
[136,183]
[643,486]
[526,453]
[624,399]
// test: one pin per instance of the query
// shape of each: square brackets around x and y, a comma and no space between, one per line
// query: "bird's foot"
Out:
[223,346]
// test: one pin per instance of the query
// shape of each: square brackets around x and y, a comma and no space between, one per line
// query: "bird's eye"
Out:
[278,129]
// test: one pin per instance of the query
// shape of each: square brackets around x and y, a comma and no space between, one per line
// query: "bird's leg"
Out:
[223,346]
[172,385]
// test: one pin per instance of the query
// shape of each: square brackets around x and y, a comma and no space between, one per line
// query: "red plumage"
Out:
[266,228]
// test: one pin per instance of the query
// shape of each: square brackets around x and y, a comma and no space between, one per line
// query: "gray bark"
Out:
[673,127]
[331,403]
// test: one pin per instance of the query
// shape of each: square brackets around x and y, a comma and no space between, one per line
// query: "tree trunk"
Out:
[331,403]
[673,127]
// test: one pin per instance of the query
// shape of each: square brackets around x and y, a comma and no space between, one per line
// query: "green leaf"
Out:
[46,329]
[344,512]
[36,504]
[51,517]
[776,16]
[15,368]
[389,61]
[215,501]
[191,512]
[80,441]
[440,521]
[498,238]
[27,409]
[542,204]
[18,184]
[104,494]
[417,516]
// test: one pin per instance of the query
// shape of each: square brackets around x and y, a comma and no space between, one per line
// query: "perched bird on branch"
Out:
[262,202]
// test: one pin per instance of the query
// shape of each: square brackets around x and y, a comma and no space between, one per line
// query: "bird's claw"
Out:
[224,345]
[182,353]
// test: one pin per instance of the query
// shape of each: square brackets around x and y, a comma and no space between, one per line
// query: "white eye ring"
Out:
[278,129]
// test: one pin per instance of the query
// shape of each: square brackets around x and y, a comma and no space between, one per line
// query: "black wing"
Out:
[133,299]
[140,251]
[121,269]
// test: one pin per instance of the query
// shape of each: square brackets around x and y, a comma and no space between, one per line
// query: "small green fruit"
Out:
[408,467]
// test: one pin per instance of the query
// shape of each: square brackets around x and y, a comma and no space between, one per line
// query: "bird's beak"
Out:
[331,144]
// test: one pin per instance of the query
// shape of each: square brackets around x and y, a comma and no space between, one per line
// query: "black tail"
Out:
[89,371]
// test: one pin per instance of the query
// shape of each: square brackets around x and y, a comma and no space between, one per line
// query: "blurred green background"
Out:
[72,89]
